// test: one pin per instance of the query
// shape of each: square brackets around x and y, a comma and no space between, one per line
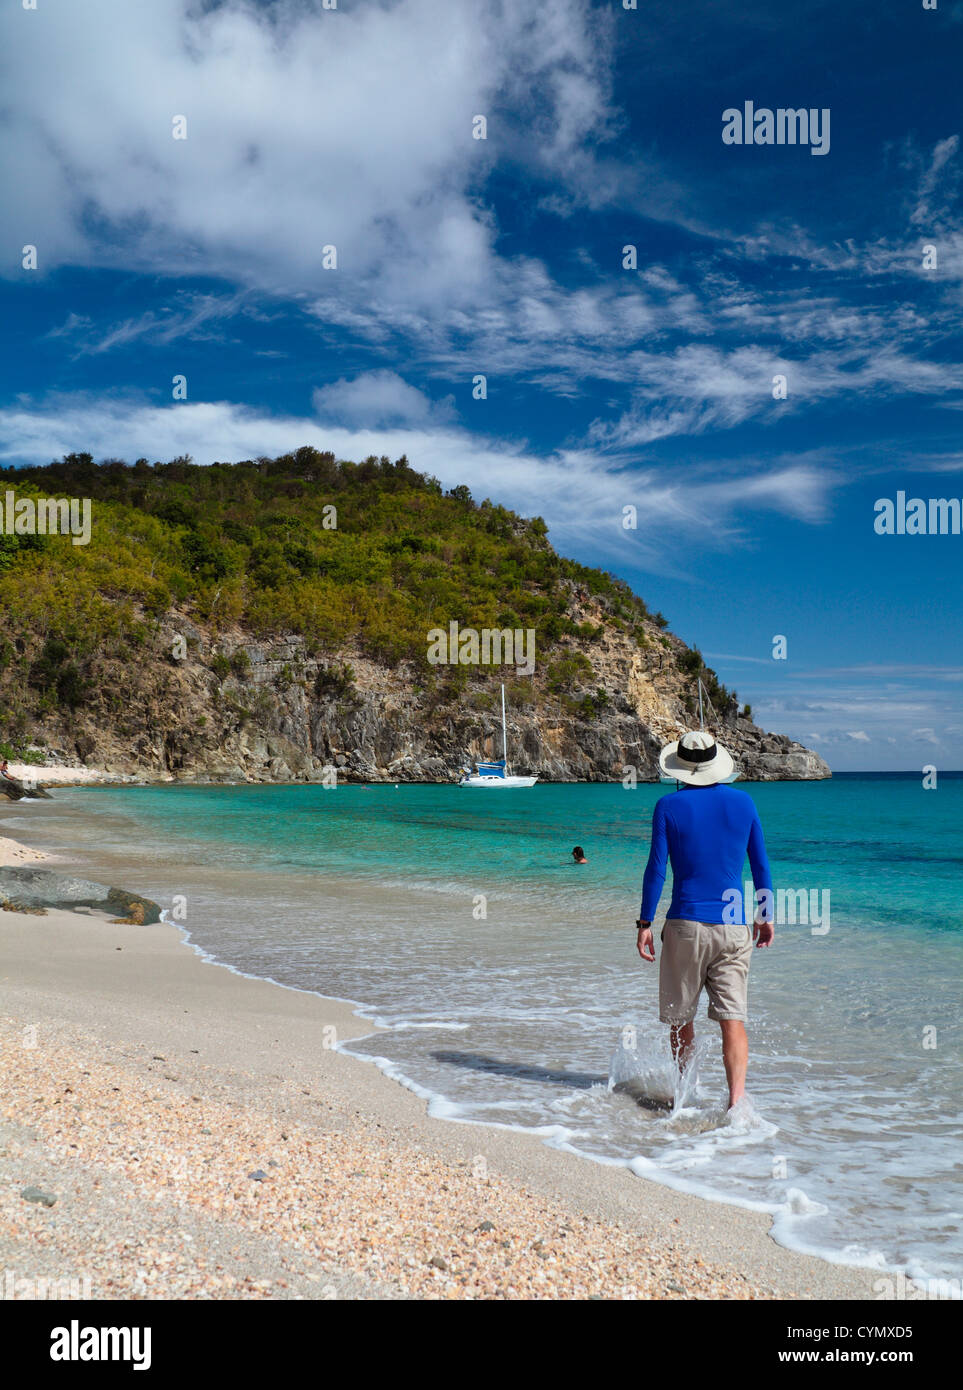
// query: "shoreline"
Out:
[13,853]
[78,775]
[140,1006]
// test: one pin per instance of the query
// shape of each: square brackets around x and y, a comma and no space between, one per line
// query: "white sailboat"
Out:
[496,774]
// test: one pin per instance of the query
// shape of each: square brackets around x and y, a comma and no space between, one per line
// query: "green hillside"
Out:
[253,544]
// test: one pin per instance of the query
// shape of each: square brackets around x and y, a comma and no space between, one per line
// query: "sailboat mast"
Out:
[504,734]
[701,720]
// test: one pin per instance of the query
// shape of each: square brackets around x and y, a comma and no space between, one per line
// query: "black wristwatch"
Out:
[640,924]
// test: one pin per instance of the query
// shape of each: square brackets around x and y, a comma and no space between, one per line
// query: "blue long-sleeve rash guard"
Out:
[706,833]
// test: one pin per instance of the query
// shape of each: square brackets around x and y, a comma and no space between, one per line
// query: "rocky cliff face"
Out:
[226,707]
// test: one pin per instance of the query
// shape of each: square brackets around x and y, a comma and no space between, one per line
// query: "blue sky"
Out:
[649,387]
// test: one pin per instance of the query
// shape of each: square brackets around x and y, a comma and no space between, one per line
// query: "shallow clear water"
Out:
[523,1015]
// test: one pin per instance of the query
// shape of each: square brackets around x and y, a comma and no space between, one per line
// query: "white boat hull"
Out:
[498,781]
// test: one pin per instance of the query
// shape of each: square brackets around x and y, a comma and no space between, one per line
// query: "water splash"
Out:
[644,1069]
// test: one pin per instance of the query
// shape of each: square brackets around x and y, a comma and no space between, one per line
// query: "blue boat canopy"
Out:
[492,769]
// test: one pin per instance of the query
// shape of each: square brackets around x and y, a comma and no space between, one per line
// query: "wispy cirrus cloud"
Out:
[876,714]
[192,315]
[701,387]
[938,180]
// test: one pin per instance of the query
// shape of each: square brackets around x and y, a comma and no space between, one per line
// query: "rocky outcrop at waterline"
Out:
[233,709]
[272,619]
[16,790]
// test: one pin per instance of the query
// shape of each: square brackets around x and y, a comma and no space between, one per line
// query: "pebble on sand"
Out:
[36,1194]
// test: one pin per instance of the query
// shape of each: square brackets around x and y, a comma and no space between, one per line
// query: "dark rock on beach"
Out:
[32,888]
[36,1194]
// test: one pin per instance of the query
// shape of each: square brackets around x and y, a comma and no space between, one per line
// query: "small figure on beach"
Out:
[4,772]
[705,828]
[578,854]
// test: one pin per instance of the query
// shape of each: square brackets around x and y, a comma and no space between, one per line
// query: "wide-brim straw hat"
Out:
[697,759]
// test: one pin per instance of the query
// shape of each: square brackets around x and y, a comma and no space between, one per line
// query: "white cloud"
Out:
[874,671]
[871,715]
[932,176]
[305,127]
[700,387]
[376,399]
[309,127]
[729,656]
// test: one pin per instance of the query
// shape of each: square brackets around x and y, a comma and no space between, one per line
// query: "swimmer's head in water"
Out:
[578,852]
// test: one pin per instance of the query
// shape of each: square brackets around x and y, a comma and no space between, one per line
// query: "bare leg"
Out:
[681,1038]
[735,1055]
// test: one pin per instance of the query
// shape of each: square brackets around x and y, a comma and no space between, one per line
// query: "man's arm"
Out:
[764,928]
[654,877]
[652,882]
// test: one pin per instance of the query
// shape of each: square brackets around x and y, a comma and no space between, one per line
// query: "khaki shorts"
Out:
[710,955]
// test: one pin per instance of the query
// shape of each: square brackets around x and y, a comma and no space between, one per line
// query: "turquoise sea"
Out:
[508,979]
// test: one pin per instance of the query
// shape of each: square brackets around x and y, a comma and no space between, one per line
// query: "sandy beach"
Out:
[13,853]
[63,774]
[202,1137]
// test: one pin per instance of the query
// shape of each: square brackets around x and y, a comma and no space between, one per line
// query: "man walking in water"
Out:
[706,829]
